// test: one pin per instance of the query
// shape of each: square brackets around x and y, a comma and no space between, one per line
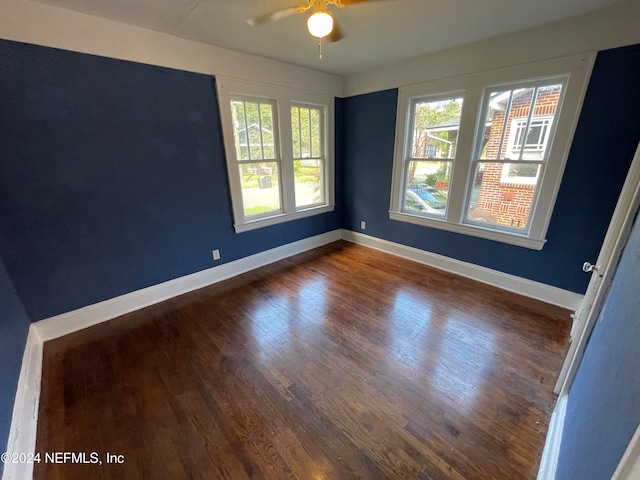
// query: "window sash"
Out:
[509,121]
[410,139]
[250,157]
[321,133]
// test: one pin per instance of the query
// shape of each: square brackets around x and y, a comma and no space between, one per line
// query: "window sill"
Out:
[472,230]
[282,217]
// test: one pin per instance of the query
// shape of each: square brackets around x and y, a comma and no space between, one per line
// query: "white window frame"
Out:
[577,69]
[284,99]
[408,152]
[322,155]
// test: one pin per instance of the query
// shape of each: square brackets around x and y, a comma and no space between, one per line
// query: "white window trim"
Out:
[577,68]
[285,98]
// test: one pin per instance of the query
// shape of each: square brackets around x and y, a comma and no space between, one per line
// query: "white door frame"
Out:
[601,278]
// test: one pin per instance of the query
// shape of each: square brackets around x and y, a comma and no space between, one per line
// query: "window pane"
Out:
[253,130]
[435,128]
[308,160]
[260,189]
[427,187]
[266,128]
[239,130]
[305,143]
[308,182]
[316,144]
[513,129]
[295,132]
[520,173]
[502,193]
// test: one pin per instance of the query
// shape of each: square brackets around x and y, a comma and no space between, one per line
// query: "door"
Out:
[601,274]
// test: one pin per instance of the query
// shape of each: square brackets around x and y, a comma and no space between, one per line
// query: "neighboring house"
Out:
[258,135]
[437,141]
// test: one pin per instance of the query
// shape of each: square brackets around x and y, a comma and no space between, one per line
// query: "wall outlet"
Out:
[363,225]
[216,254]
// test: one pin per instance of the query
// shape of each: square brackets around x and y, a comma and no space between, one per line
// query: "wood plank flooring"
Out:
[339,363]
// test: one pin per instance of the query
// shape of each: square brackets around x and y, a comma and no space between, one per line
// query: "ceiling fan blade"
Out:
[336,33]
[352,2]
[272,17]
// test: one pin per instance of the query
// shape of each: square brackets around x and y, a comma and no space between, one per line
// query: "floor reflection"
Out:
[276,320]
[311,300]
[271,323]
[466,356]
[440,345]
[408,326]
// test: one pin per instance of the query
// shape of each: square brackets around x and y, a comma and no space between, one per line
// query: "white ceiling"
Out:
[376,33]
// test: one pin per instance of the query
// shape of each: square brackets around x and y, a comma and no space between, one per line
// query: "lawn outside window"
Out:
[484,154]
[279,147]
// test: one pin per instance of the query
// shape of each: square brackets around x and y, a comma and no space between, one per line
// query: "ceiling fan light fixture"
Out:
[320,24]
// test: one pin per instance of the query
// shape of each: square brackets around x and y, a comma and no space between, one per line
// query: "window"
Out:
[279,152]
[434,127]
[257,155]
[486,158]
[512,152]
[308,154]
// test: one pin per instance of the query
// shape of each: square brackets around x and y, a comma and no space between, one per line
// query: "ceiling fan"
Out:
[321,23]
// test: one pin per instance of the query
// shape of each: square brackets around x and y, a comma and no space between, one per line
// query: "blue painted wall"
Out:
[603,409]
[604,143]
[113,178]
[14,327]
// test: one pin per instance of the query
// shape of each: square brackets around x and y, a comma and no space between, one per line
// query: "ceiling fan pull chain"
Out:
[320,47]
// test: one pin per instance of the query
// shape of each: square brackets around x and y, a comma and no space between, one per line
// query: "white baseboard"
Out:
[22,435]
[629,466]
[75,320]
[505,281]
[551,452]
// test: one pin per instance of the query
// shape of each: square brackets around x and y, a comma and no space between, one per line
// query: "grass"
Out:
[248,211]
[302,174]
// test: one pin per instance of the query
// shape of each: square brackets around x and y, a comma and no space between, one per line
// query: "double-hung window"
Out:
[307,129]
[430,153]
[257,154]
[279,148]
[484,154]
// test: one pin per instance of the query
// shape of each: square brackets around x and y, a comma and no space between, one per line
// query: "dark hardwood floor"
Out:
[339,363]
